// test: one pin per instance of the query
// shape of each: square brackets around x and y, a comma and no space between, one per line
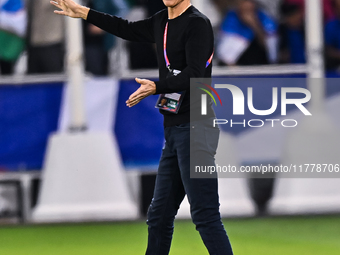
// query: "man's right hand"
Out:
[71,9]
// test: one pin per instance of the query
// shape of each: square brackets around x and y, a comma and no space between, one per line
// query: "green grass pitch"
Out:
[253,236]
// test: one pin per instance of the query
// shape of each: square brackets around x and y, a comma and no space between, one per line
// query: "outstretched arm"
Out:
[134,31]
[71,9]
[139,31]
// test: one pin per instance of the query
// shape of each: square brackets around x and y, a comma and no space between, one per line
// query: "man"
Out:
[97,43]
[292,34]
[45,42]
[248,36]
[184,40]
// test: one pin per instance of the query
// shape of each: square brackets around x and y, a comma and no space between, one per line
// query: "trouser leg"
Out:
[173,181]
[203,192]
[168,195]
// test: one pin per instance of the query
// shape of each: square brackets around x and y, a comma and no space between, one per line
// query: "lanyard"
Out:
[167,62]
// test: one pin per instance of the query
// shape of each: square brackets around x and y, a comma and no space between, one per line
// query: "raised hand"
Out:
[70,8]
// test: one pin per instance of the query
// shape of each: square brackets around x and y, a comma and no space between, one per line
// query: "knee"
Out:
[158,217]
[207,219]
[214,226]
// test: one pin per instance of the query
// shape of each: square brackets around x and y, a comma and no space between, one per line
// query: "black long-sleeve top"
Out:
[190,43]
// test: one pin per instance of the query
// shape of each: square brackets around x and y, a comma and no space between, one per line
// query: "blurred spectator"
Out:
[248,36]
[97,42]
[328,10]
[224,6]
[12,32]
[143,55]
[332,39]
[272,7]
[292,34]
[45,38]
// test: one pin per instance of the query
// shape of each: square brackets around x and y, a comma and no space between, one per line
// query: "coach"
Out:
[184,40]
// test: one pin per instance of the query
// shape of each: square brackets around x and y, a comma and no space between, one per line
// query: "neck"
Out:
[177,10]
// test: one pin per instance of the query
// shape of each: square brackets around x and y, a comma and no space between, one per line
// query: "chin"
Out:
[171,3]
[168,3]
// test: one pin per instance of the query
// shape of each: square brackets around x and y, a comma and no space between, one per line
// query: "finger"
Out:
[138,97]
[135,99]
[60,12]
[134,95]
[137,93]
[141,81]
[133,103]
[56,4]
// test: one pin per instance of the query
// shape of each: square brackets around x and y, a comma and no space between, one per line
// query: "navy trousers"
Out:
[173,182]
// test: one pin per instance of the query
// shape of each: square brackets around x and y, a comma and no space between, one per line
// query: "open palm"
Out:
[68,8]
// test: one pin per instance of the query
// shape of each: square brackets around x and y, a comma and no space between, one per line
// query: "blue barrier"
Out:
[29,113]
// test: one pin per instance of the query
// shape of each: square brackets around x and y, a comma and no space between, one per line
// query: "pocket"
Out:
[212,136]
[204,139]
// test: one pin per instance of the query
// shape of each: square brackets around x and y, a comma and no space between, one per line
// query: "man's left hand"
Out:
[146,89]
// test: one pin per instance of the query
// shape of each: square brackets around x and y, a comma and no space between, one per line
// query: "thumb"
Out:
[140,81]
